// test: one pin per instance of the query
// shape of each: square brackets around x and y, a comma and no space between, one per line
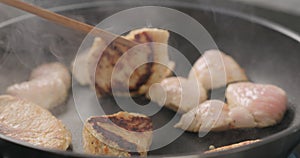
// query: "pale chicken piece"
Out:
[210,115]
[178,94]
[215,69]
[203,118]
[123,70]
[241,118]
[250,105]
[122,134]
[28,122]
[266,103]
[80,71]
[48,86]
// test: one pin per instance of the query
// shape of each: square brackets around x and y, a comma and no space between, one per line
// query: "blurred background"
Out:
[288,6]
[280,10]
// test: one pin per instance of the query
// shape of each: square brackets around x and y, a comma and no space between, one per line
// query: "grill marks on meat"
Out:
[104,68]
[136,124]
[122,143]
[28,122]
[144,38]
[120,134]
[122,69]
[141,76]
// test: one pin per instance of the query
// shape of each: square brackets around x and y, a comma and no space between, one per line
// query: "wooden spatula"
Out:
[67,22]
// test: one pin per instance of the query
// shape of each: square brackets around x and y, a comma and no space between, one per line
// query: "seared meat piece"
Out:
[48,86]
[134,71]
[161,67]
[249,105]
[215,69]
[178,93]
[266,103]
[122,134]
[31,123]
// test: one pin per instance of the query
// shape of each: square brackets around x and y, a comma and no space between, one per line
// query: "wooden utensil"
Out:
[67,22]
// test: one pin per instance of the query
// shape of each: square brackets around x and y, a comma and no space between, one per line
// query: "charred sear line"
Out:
[135,124]
[113,52]
[122,143]
[134,154]
[137,38]
[145,77]
[115,47]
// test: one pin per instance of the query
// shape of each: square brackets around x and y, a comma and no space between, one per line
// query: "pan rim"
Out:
[185,4]
[261,21]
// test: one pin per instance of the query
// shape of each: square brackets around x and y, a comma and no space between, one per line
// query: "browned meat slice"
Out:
[31,123]
[121,134]
[48,86]
[137,70]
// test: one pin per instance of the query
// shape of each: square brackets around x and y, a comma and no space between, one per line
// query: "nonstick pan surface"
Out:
[266,51]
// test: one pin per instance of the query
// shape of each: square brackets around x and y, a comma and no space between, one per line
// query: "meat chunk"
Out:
[124,69]
[249,105]
[210,115]
[48,86]
[122,134]
[31,123]
[241,117]
[178,93]
[266,103]
[81,72]
[215,69]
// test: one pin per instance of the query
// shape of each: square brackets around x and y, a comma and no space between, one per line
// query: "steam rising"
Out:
[35,41]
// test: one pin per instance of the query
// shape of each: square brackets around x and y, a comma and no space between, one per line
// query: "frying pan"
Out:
[268,52]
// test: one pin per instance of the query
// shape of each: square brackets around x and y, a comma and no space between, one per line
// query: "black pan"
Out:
[269,54]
